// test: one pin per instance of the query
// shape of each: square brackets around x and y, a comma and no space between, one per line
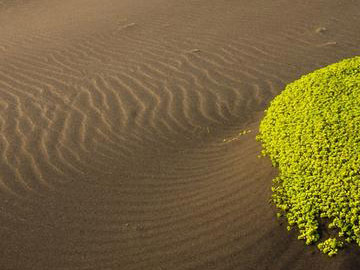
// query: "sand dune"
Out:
[120,122]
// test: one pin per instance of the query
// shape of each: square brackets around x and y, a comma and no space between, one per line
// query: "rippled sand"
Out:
[120,122]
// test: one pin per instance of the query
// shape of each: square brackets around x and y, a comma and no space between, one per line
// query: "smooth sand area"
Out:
[119,123]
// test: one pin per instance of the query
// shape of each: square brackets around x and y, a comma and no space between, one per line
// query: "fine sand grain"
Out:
[122,142]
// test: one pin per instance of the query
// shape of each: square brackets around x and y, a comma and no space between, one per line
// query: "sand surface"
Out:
[119,123]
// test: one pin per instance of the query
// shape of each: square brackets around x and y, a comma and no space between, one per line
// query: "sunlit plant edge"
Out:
[311,132]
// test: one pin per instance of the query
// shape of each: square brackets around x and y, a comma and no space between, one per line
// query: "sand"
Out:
[119,123]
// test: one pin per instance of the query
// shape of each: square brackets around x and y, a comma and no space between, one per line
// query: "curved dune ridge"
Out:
[127,130]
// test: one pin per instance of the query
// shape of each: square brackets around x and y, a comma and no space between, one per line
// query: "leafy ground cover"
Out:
[311,132]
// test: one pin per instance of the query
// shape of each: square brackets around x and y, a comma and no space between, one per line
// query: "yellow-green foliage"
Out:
[330,246]
[311,132]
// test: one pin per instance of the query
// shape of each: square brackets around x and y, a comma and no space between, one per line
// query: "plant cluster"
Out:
[330,246]
[311,132]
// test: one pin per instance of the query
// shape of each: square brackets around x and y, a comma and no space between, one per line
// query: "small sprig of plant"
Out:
[330,246]
[237,137]
[311,132]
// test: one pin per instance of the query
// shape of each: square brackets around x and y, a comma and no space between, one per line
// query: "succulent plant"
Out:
[311,132]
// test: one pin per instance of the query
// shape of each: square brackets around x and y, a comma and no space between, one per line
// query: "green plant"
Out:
[330,246]
[311,132]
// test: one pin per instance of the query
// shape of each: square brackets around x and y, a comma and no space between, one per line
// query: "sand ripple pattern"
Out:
[119,144]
